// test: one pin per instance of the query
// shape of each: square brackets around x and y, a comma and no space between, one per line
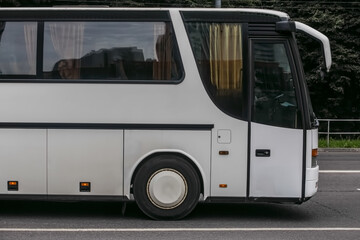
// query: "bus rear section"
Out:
[166,107]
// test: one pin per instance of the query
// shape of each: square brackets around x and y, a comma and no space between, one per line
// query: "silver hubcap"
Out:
[167,188]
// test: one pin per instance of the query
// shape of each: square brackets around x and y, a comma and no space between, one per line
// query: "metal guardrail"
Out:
[328,133]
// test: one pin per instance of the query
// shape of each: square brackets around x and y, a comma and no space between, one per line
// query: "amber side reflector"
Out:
[314,152]
[13,186]
[85,186]
[223,185]
[223,152]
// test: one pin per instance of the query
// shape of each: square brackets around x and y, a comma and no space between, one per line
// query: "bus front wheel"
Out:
[166,187]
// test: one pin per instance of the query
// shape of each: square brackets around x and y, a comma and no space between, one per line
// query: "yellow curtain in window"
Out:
[226,56]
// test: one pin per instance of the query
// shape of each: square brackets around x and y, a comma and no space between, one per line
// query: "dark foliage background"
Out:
[337,95]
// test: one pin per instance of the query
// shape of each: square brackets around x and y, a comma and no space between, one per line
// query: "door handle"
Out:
[262,152]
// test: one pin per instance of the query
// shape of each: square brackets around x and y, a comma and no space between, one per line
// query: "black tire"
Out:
[181,173]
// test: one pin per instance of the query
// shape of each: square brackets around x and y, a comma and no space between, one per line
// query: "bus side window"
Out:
[18,48]
[110,51]
[217,48]
[274,90]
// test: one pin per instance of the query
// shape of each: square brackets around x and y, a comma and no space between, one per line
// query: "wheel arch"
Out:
[187,157]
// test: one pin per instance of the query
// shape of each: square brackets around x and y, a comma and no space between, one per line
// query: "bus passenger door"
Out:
[276,150]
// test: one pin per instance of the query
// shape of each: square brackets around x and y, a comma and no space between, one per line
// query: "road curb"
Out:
[339,149]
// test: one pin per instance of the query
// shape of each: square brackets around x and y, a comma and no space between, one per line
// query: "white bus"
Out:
[166,107]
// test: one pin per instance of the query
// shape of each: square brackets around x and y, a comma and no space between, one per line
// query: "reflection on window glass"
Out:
[110,50]
[218,52]
[18,48]
[274,92]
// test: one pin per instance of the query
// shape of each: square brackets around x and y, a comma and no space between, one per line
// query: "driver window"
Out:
[274,100]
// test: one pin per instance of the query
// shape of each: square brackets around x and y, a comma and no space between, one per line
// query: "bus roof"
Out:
[283,16]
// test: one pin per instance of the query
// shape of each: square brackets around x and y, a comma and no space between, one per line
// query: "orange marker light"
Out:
[85,184]
[223,152]
[13,185]
[314,152]
[85,187]
[223,185]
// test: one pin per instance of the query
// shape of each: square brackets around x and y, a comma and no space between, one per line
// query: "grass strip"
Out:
[339,143]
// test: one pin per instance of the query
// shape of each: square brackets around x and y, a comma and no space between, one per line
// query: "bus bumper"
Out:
[312,179]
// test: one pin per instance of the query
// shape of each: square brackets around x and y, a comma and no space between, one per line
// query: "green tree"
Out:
[336,95]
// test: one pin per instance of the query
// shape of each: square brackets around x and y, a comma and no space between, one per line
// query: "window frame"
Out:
[244,39]
[87,15]
[295,74]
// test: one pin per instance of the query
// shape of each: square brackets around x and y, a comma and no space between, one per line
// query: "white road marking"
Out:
[171,229]
[339,171]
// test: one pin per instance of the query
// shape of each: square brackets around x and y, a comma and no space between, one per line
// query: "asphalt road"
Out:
[333,213]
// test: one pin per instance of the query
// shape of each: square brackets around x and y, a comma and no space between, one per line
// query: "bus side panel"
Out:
[23,159]
[94,156]
[140,143]
[229,168]
[229,134]
[278,174]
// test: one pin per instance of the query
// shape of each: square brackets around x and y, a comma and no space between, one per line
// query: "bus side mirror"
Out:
[325,43]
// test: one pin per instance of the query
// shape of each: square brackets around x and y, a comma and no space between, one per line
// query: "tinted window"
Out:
[217,48]
[110,51]
[18,48]
[274,90]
